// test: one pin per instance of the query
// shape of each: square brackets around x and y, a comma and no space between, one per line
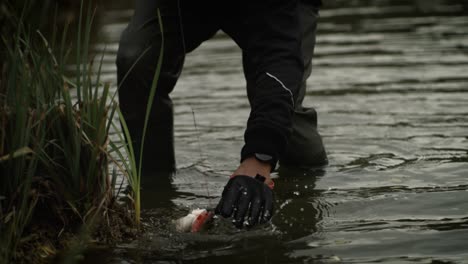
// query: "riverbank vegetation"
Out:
[61,173]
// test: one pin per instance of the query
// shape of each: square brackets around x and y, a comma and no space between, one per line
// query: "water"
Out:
[390,84]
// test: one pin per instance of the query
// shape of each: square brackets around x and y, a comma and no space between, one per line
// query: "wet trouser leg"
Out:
[139,50]
[305,147]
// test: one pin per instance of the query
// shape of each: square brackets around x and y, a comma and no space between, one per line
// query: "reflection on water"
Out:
[390,83]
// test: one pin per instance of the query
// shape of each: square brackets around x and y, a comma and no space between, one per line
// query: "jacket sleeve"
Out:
[273,66]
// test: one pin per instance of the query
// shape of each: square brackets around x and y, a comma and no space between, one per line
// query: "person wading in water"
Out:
[277,40]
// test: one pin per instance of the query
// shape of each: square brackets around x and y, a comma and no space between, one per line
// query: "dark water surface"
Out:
[390,83]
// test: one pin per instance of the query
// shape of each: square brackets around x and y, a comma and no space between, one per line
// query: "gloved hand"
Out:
[247,198]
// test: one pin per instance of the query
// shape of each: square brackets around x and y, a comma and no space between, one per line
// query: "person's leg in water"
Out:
[185,26]
[305,147]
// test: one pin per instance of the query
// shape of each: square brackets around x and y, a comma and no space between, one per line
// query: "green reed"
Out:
[55,150]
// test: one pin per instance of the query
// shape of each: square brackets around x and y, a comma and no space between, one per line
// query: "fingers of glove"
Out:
[255,211]
[219,206]
[229,199]
[268,206]
[242,207]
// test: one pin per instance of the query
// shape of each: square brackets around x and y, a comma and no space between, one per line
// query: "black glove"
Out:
[246,197]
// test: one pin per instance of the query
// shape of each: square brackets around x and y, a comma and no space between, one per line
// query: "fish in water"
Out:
[195,221]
